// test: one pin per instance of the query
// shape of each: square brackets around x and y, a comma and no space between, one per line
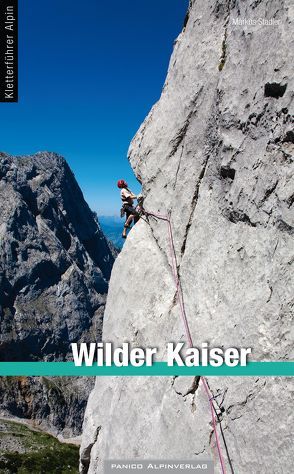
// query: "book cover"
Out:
[146,236]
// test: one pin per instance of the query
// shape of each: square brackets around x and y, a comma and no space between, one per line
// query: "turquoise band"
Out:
[59,369]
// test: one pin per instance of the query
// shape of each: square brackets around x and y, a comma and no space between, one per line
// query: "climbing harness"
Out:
[179,295]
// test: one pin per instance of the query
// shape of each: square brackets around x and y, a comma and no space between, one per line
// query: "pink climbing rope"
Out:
[209,396]
[179,293]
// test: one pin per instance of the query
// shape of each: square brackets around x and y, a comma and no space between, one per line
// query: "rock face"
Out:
[53,404]
[216,152]
[54,260]
[55,264]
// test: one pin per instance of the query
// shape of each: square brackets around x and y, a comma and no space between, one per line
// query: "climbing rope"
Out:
[179,293]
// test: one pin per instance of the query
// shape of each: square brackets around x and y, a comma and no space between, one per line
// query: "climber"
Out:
[127,209]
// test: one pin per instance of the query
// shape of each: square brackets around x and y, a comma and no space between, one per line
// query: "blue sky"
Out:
[89,73]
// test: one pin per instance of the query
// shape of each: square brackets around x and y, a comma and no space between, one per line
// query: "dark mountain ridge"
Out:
[54,260]
[55,263]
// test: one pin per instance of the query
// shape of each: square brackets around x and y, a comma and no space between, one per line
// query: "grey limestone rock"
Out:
[216,152]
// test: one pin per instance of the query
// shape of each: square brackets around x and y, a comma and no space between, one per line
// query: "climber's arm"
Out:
[129,194]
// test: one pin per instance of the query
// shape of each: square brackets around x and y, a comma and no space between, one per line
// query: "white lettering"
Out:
[173,354]
[83,352]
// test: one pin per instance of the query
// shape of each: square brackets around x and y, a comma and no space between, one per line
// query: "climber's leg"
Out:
[131,216]
[129,220]
[124,233]
[127,225]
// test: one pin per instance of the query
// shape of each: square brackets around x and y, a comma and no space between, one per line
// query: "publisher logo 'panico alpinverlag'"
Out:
[8,50]
[144,466]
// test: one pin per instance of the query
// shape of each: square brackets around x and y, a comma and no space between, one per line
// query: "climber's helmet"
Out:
[122,184]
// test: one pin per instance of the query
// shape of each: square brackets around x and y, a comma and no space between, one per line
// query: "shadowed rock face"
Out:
[54,404]
[217,152]
[55,264]
[54,260]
